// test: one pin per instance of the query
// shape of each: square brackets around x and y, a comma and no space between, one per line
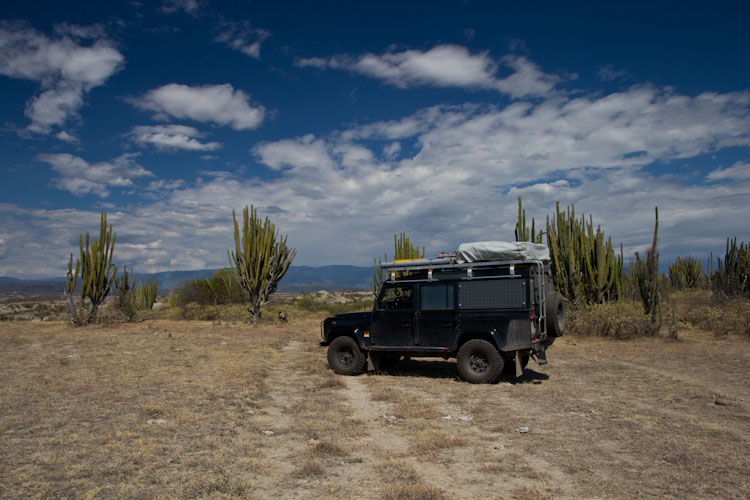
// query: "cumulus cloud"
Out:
[220,104]
[448,174]
[171,138]
[80,177]
[242,37]
[444,66]
[65,69]
[305,152]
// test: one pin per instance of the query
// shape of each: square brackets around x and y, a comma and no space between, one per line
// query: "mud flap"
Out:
[519,369]
[541,356]
[373,362]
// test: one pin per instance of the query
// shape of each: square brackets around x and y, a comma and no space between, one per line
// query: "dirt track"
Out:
[190,410]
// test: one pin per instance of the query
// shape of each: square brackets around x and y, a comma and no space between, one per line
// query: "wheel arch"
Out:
[345,332]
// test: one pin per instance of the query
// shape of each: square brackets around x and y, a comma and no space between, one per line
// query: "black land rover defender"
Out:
[491,316]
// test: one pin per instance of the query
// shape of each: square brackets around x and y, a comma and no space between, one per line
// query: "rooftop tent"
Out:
[483,251]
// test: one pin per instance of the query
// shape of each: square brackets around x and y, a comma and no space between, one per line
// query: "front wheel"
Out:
[479,362]
[344,356]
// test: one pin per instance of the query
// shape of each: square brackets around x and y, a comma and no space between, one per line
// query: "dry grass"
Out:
[175,409]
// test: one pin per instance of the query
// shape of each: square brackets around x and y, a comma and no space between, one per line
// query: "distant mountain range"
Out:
[297,279]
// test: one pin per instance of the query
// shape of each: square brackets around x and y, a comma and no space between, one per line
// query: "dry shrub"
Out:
[620,320]
[412,492]
[328,449]
[722,316]
[311,468]
[429,442]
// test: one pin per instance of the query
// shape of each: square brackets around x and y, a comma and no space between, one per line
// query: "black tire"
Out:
[479,362]
[345,358]
[556,309]
[509,370]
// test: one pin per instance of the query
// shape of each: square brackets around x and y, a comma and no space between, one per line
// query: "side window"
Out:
[396,298]
[437,297]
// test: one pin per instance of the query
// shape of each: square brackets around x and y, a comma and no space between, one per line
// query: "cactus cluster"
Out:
[645,273]
[585,266]
[124,300]
[523,233]
[731,276]
[145,295]
[685,273]
[402,249]
[260,260]
[96,271]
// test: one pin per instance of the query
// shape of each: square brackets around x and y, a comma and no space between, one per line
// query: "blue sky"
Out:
[349,122]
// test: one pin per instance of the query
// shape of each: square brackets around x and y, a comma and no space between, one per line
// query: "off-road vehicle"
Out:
[490,305]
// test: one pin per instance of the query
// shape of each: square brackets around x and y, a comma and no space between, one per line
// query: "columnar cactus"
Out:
[586,268]
[260,259]
[146,295]
[685,273]
[646,275]
[97,274]
[402,250]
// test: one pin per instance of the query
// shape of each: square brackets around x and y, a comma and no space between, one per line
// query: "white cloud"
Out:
[444,66]
[188,6]
[79,177]
[306,152]
[608,73]
[242,37]
[66,70]
[445,175]
[171,138]
[220,104]
[740,171]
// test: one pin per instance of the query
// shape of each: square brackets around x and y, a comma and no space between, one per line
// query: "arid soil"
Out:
[168,409]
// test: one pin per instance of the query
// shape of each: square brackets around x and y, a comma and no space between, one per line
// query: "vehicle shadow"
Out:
[440,369]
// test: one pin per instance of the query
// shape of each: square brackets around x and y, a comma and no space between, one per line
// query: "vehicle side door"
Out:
[437,316]
[393,321]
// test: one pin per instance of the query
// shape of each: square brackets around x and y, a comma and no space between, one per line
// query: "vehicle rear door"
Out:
[393,321]
[437,319]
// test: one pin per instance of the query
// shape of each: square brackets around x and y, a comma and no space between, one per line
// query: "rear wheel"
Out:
[344,356]
[479,362]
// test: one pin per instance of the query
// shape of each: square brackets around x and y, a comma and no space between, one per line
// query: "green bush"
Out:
[220,289]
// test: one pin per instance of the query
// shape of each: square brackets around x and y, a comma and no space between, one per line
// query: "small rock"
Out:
[719,400]
[499,446]
[447,417]
[391,419]
[250,412]
[522,430]
[74,356]
[467,418]
[268,433]
[157,421]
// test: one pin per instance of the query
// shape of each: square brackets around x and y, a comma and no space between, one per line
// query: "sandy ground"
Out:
[167,409]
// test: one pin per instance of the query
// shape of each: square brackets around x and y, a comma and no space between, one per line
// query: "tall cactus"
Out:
[402,250]
[585,267]
[97,274]
[260,259]
[732,276]
[124,297]
[685,273]
[646,275]
[146,295]
[522,230]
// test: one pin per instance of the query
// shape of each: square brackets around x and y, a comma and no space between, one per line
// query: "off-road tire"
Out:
[345,358]
[556,311]
[479,362]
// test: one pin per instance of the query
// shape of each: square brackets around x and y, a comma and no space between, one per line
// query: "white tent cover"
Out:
[484,251]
